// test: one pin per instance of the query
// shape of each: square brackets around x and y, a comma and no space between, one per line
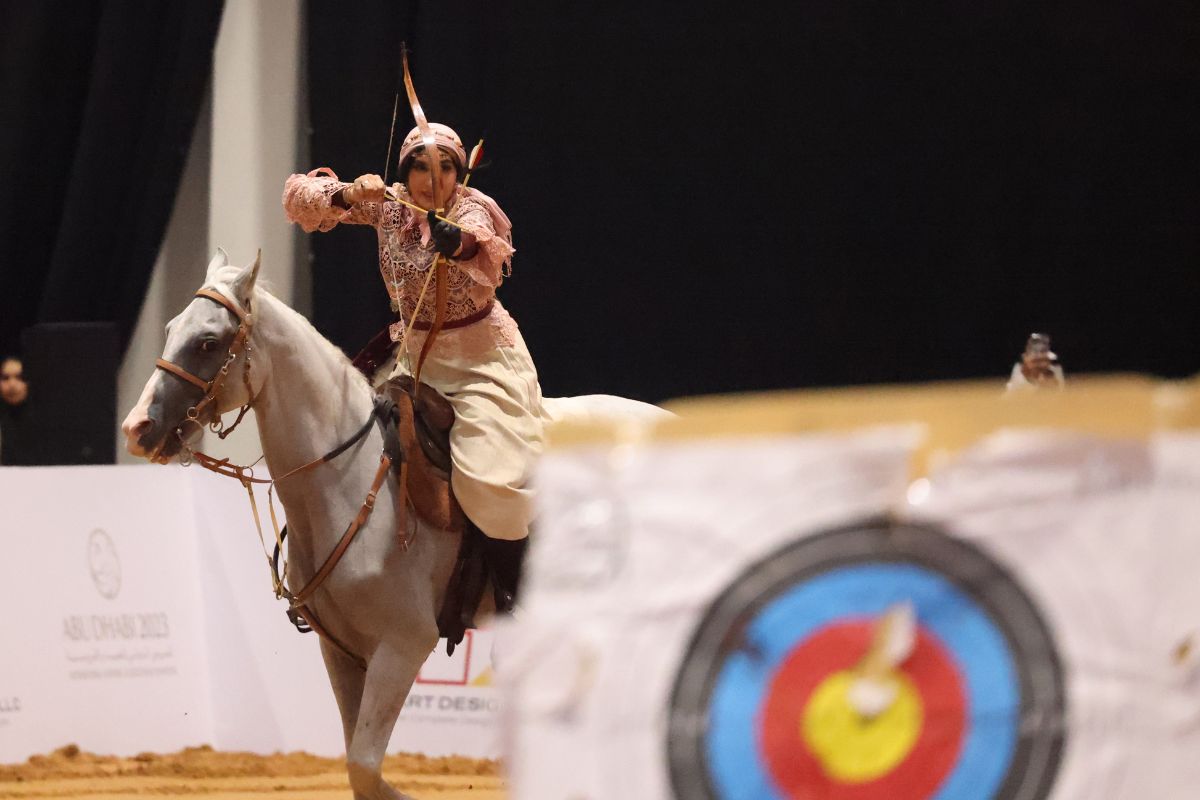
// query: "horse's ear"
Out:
[219,259]
[243,285]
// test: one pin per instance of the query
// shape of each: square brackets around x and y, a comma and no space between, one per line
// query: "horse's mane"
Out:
[225,276]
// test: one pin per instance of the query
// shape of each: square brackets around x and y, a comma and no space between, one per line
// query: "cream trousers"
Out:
[497,435]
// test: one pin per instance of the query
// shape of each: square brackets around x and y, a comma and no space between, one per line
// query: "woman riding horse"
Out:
[479,361]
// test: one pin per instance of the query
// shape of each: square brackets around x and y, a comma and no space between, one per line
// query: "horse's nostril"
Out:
[143,427]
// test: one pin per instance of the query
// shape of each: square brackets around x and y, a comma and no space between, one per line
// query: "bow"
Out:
[439,265]
[428,137]
[438,268]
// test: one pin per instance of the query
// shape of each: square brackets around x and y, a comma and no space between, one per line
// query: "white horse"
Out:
[381,600]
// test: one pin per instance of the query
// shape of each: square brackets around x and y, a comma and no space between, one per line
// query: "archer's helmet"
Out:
[447,141]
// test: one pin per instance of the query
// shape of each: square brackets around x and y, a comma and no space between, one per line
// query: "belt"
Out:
[470,319]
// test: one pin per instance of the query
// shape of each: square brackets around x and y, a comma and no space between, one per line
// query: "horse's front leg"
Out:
[390,674]
[347,680]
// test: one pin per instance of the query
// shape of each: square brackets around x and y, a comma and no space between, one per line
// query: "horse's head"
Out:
[202,372]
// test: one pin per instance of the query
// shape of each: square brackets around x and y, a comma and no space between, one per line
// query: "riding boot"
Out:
[504,559]
[474,574]
[464,591]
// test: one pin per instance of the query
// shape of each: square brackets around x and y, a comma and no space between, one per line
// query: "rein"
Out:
[298,601]
[245,476]
[382,414]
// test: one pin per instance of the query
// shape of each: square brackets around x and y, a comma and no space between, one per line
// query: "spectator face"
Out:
[13,389]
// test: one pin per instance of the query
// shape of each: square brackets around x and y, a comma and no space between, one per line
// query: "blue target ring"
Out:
[977,646]
[992,638]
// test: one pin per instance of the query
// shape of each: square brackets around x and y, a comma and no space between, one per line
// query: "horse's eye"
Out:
[208,345]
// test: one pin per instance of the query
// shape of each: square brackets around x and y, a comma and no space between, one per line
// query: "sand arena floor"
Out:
[205,773]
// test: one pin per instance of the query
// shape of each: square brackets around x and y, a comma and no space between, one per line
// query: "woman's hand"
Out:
[451,240]
[447,238]
[365,189]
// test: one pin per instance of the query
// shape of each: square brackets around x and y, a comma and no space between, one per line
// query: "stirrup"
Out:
[298,620]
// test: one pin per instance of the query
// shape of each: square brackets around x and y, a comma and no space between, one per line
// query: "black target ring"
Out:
[972,607]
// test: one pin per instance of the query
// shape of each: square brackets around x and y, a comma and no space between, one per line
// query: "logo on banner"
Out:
[794,684]
[464,668]
[9,706]
[104,564]
[456,688]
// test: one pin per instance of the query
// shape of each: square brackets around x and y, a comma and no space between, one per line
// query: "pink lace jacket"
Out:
[406,255]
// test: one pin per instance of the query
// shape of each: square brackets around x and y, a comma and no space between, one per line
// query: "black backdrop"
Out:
[746,196]
[98,100]
[707,197]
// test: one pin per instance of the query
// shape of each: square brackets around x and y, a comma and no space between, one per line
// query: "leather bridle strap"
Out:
[215,465]
[341,448]
[352,529]
[383,414]
[211,387]
[180,372]
[245,475]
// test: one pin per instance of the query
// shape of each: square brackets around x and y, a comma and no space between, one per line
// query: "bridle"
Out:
[241,341]
[382,413]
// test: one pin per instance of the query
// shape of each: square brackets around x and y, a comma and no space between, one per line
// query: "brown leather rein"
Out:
[245,474]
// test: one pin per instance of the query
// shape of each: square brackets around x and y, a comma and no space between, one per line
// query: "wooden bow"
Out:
[438,268]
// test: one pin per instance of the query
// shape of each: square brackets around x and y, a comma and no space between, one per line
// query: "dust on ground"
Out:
[218,775]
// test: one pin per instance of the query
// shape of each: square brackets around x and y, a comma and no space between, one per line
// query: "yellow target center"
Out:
[853,747]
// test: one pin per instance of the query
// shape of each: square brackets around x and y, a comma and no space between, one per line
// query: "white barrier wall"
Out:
[139,616]
[103,633]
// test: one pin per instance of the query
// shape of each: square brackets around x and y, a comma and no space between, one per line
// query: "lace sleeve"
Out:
[306,201]
[492,262]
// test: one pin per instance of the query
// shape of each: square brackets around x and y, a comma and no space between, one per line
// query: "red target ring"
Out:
[800,773]
[769,701]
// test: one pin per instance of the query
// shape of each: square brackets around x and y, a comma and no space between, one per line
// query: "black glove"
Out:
[447,238]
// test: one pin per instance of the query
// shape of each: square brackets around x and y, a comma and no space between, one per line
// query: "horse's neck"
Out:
[312,399]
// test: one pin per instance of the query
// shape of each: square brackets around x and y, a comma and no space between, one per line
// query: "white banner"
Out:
[633,546]
[770,619]
[1102,537]
[102,629]
[140,617]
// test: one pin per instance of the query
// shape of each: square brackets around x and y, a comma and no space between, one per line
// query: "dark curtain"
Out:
[712,198]
[99,100]
[353,67]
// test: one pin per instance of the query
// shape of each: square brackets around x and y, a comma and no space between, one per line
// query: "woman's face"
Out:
[13,388]
[420,180]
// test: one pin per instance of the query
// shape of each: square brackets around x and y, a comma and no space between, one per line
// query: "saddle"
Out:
[417,437]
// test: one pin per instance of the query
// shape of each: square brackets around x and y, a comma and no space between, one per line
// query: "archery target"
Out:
[761,706]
